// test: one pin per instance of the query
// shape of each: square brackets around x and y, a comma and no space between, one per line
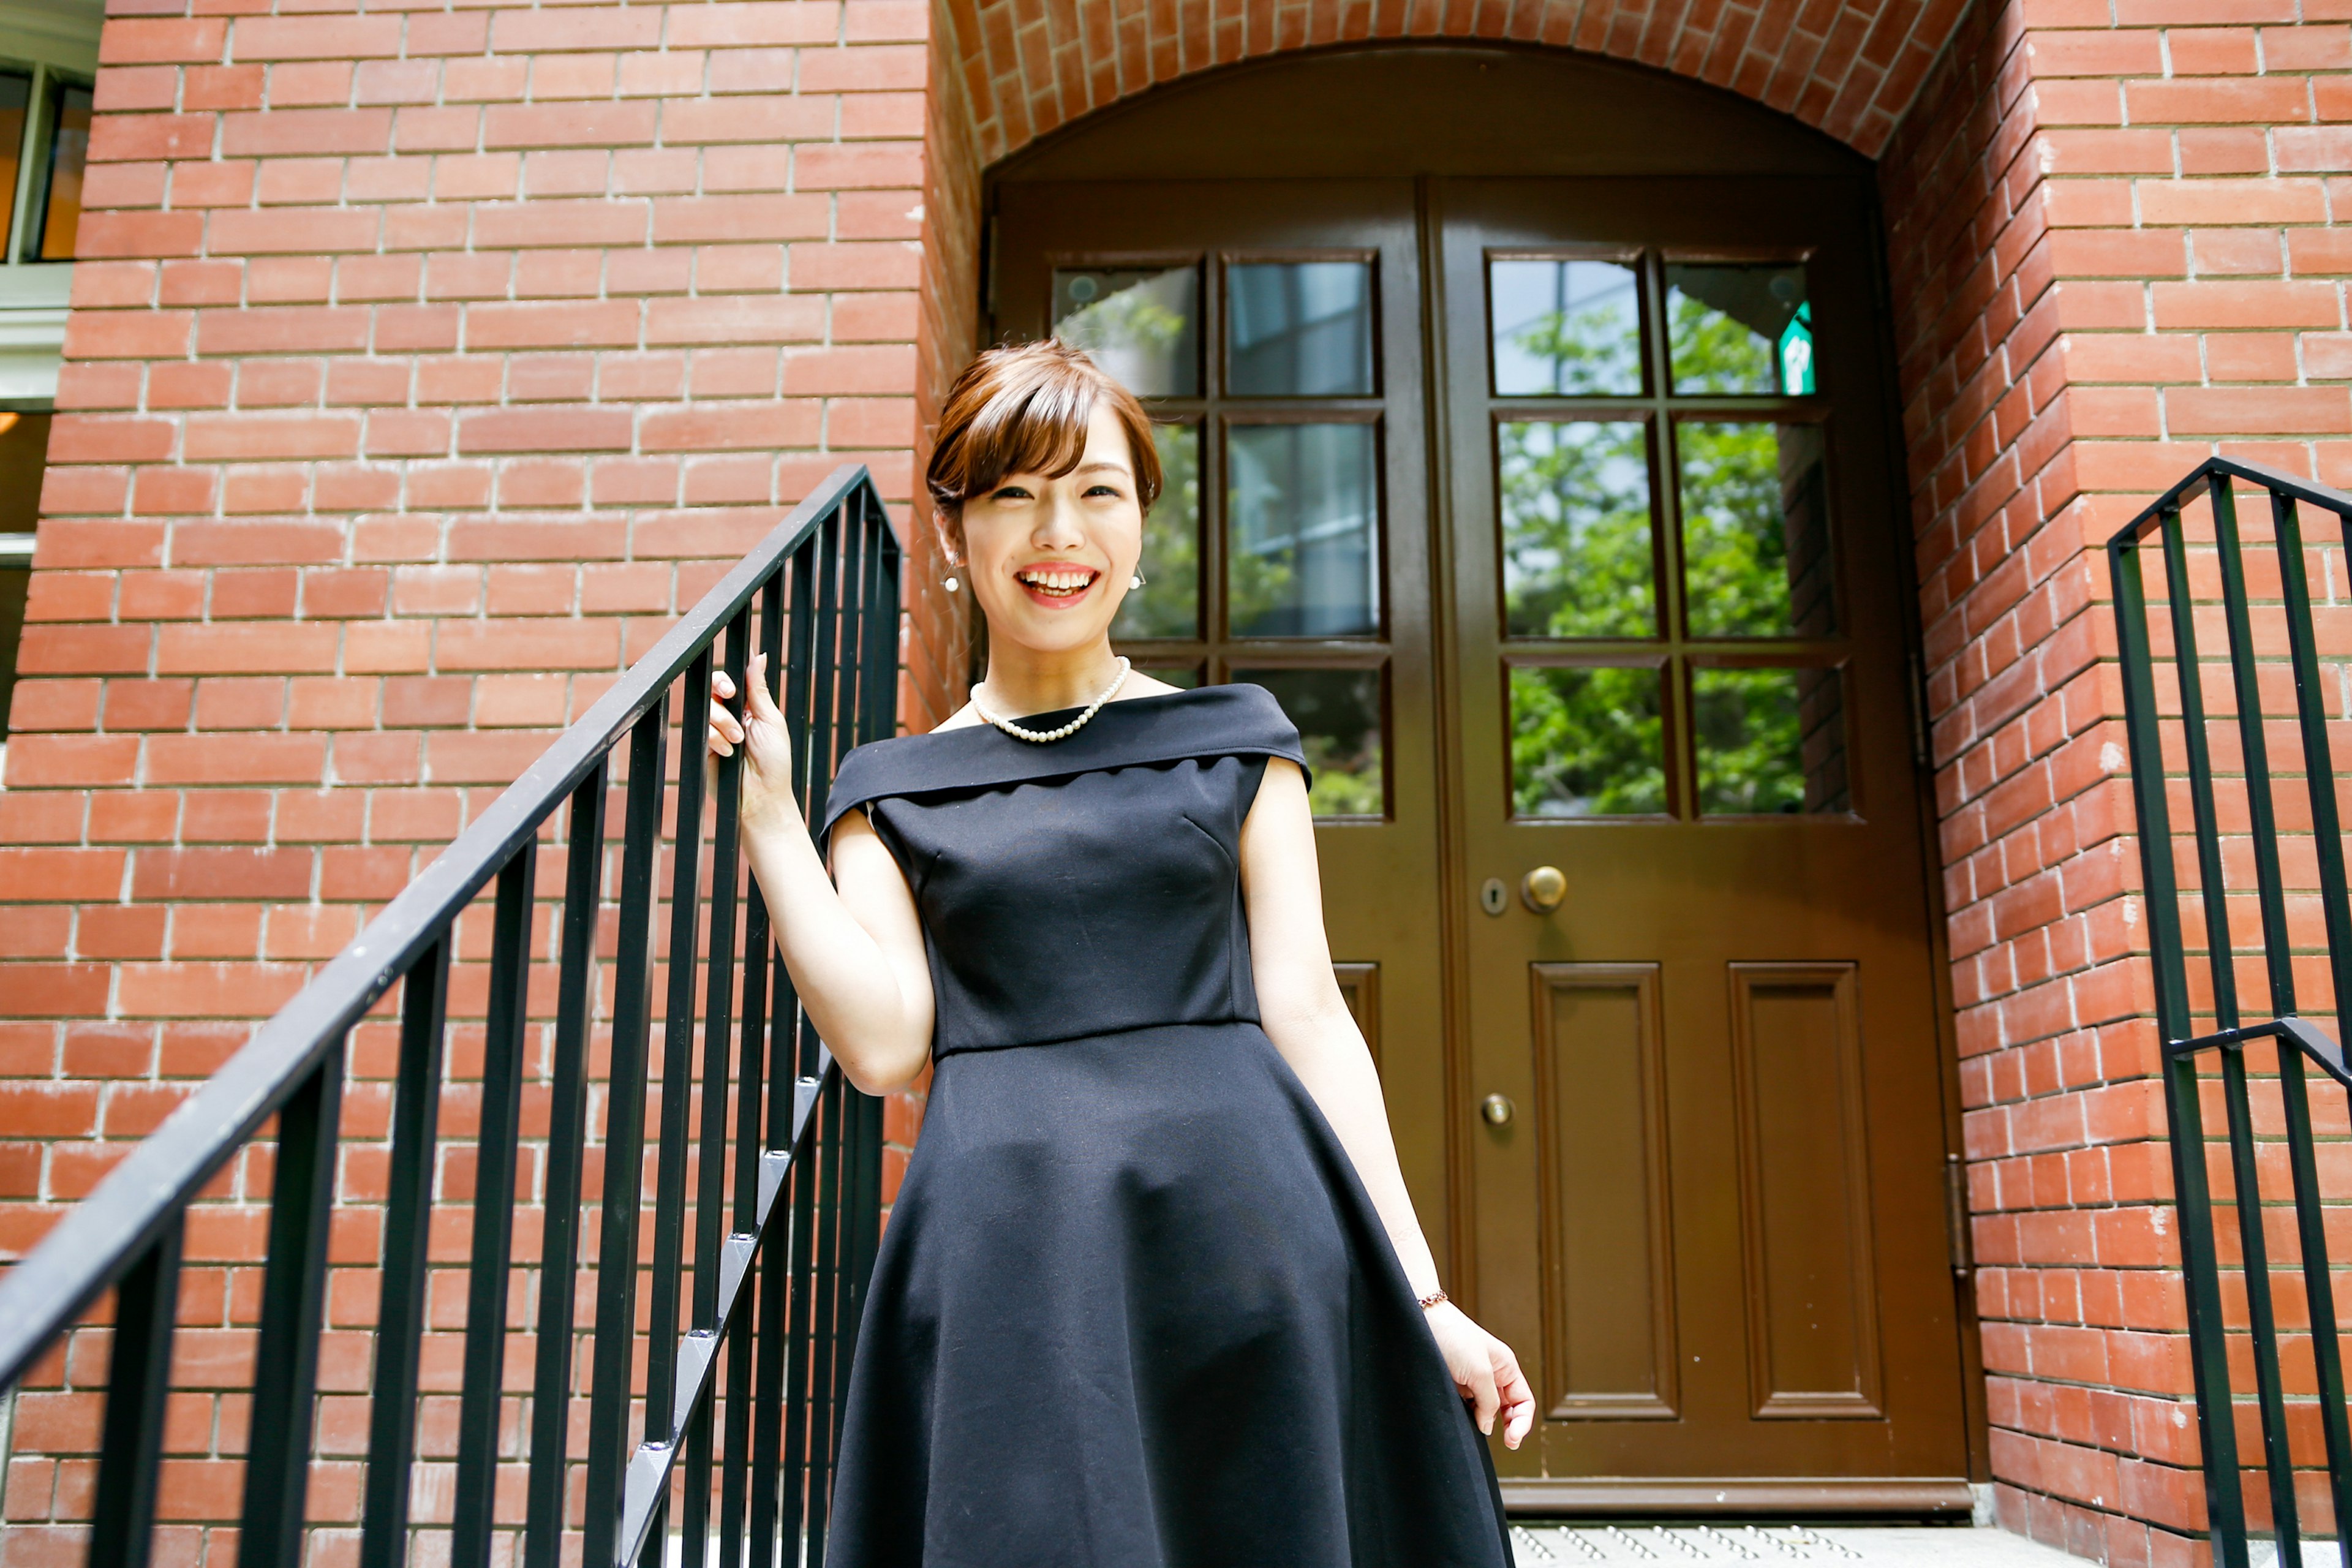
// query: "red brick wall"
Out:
[2111,247]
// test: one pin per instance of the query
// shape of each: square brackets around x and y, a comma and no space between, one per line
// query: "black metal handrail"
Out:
[2296,1037]
[784,1214]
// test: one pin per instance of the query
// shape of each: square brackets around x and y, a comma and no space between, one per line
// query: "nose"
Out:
[1058,521]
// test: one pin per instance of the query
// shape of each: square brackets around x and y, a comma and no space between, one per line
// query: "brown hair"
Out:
[1024,410]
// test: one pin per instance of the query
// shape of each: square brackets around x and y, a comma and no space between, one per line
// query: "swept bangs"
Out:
[1024,410]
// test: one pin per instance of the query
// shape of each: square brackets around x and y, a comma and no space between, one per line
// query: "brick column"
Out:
[2113,233]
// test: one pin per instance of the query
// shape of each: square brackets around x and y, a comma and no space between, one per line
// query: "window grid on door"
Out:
[1264,560]
[1671,646]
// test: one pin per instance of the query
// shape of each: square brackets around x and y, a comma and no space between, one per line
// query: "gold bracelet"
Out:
[1432,1300]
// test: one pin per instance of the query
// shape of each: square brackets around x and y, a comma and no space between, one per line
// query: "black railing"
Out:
[756,1277]
[2240,825]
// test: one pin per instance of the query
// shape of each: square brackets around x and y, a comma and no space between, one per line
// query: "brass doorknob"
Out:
[1497,1109]
[1543,889]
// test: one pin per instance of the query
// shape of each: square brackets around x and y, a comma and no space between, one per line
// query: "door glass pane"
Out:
[1740,329]
[1576,558]
[1187,676]
[1564,329]
[1299,329]
[1142,325]
[1587,742]
[1769,741]
[68,155]
[1338,712]
[1303,556]
[15,102]
[1756,558]
[1169,602]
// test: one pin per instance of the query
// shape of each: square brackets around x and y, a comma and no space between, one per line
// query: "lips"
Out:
[1057,582]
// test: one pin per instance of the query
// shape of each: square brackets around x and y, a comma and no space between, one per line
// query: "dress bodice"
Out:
[1082,886]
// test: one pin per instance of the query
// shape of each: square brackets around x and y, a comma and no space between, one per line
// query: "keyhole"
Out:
[1492,897]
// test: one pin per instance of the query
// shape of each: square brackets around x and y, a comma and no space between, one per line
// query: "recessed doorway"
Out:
[1529,427]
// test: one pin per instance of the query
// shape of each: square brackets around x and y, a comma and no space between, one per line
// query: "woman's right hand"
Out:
[767,785]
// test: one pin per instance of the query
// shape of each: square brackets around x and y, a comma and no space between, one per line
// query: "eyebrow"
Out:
[1113,464]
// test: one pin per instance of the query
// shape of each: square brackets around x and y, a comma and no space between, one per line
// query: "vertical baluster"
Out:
[567,1132]
[718,1026]
[825,1321]
[2310,705]
[799,700]
[751,1090]
[293,1300]
[677,1089]
[407,1226]
[625,1137]
[2262,832]
[496,1151]
[2220,956]
[138,1384]
[2224,1505]
[768,1477]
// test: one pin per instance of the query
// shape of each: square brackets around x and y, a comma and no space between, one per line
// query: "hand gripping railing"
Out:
[785,1209]
[2253,824]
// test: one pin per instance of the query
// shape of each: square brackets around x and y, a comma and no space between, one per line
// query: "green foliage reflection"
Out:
[1587,742]
[1750,746]
[1169,602]
[1576,531]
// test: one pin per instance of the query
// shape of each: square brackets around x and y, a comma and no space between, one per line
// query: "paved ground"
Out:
[1548,1546]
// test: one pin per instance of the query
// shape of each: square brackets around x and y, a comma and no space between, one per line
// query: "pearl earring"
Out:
[1136,581]
[949,582]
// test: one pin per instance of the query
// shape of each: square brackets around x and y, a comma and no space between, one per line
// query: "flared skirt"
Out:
[1133,1309]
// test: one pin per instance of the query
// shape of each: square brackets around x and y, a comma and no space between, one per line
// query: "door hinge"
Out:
[1956,1211]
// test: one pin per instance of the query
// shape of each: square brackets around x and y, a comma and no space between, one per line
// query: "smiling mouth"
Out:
[1057,582]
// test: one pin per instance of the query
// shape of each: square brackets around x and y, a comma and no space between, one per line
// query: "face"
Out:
[1049,559]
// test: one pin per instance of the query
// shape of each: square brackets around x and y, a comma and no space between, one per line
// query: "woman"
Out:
[1153,1293]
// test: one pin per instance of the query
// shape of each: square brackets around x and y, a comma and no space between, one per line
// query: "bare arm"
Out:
[851,940]
[1308,1022]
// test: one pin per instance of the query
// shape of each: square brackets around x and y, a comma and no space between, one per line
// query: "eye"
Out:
[1009,492]
[1110,490]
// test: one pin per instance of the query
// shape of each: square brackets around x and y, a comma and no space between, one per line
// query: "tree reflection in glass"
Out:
[1739,329]
[1564,329]
[1169,602]
[1338,712]
[1303,531]
[1576,556]
[1756,558]
[1587,742]
[1769,742]
[1140,324]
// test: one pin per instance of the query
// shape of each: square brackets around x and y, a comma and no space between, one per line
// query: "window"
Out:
[24,448]
[45,117]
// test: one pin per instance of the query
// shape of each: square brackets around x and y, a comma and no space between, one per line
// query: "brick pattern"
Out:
[1849,67]
[2111,233]
[425,362]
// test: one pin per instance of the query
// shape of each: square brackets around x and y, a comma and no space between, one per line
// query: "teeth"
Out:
[1057,582]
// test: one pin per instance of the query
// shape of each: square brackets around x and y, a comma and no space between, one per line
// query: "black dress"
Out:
[1133,1308]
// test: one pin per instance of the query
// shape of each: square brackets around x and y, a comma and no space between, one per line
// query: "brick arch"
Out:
[1848,67]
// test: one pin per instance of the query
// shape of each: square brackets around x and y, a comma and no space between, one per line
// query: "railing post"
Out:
[138,1384]
[2192,1203]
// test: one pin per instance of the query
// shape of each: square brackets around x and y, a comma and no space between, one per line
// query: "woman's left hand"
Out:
[1486,1371]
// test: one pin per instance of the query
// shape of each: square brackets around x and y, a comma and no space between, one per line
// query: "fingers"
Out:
[758,702]
[722,684]
[1484,1398]
[1518,1399]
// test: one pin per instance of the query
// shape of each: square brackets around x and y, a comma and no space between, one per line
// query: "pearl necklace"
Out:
[1040,737]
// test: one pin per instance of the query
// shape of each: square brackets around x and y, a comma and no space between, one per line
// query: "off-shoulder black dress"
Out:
[1133,1308]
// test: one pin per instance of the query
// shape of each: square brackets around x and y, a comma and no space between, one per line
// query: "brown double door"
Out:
[1560,514]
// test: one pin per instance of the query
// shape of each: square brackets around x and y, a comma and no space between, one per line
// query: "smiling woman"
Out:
[1195,1322]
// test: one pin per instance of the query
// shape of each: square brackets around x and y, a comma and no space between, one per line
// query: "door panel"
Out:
[1609,1291]
[1675,591]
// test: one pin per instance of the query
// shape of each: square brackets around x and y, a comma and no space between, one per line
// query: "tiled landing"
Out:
[1665,1546]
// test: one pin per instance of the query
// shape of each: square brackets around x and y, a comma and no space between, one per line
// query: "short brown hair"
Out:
[1025,409]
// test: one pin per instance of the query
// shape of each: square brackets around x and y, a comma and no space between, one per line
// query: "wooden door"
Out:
[1708,1171]
[1274,330]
